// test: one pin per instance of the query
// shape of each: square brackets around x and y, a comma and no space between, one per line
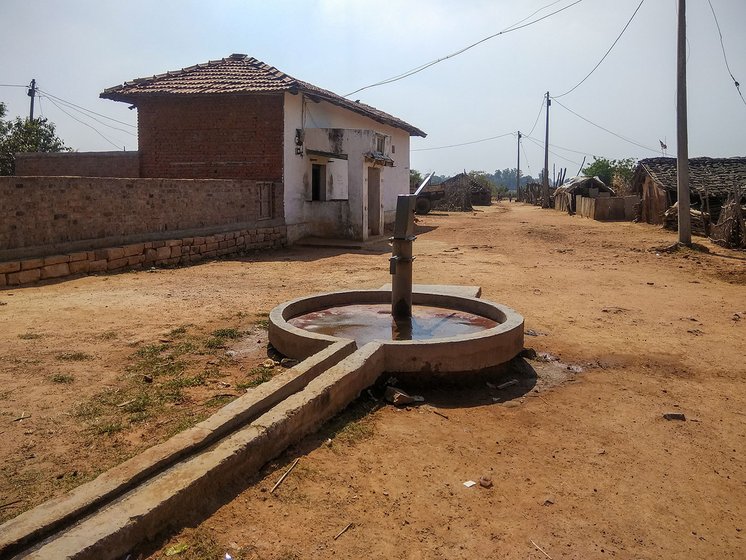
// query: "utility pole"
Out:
[545,189]
[518,171]
[682,136]
[32,94]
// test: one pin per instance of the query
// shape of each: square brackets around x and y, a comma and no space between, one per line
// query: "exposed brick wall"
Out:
[169,252]
[82,164]
[227,137]
[48,216]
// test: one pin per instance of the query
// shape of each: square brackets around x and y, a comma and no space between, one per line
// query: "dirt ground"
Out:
[583,463]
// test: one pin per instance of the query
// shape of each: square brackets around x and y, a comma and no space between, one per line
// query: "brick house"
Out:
[341,163]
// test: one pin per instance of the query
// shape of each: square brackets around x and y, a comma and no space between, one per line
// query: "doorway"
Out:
[374,201]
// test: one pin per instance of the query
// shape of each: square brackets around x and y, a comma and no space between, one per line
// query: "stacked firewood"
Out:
[700,220]
[730,231]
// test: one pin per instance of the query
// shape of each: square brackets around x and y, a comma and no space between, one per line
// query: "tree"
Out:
[25,135]
[506,177]
[605,169]
[415,179]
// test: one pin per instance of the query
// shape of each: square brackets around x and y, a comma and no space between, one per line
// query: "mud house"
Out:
[711,180]
[233,153]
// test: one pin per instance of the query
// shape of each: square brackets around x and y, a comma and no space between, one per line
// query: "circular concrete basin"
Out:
[467,352]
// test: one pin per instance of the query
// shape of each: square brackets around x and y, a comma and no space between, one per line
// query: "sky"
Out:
[77,48]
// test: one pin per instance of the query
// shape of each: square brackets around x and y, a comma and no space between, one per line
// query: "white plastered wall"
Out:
[355,134]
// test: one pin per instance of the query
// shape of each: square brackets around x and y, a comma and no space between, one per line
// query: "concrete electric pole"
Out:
[545,187]
[682,136]
[32,94]
[518,171]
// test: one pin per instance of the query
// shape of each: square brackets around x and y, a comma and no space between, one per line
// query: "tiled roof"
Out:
[716,176]
[240,74]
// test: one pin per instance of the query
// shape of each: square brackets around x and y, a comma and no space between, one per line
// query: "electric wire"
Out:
[514,27]
[84,109]
[525,157]
[12,85]
[555,154]
[538,116]
[464,143]
[532,14]
[606,54]
[85,124]
[725,57]
[563,148]
[606,129]
[72,107]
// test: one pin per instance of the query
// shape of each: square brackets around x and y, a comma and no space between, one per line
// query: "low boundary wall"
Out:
[57,226]
[171,252]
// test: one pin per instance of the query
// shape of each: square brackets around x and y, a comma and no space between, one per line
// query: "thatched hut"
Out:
[711,181]
[461,192]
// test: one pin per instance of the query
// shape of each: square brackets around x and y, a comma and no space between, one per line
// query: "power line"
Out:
[555,154]
[84,123]
[84,109]
[532,14]
[725,57]
[13,85]
[562,147]
[464,143]
[606,129]
[538,115]
[525,156]
[71,106]
[605,55]
[514,27]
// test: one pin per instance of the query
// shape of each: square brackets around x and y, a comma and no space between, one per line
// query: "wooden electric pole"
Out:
[545,189]
[682,137]
[518,171]
[32,94]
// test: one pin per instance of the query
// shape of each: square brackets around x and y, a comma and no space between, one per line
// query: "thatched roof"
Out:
[714,176]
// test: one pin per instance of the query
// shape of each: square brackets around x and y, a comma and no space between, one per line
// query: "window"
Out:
[379,144]
[318,181]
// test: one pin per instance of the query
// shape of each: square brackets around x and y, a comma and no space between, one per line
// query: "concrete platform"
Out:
[445,289]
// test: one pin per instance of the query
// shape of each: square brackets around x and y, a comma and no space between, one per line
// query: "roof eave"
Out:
[351,106]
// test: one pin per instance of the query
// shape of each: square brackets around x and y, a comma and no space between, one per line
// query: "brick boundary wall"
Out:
[54,227]
[78,164]
[44,216]
[171,252]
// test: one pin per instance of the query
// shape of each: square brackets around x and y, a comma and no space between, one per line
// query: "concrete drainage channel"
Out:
[170,482]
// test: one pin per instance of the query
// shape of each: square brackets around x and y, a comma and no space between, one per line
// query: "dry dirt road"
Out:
[583,463]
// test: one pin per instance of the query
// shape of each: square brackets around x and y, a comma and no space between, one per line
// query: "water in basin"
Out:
[366,322]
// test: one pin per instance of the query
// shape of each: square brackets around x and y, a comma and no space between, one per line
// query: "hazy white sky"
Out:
[76,48]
